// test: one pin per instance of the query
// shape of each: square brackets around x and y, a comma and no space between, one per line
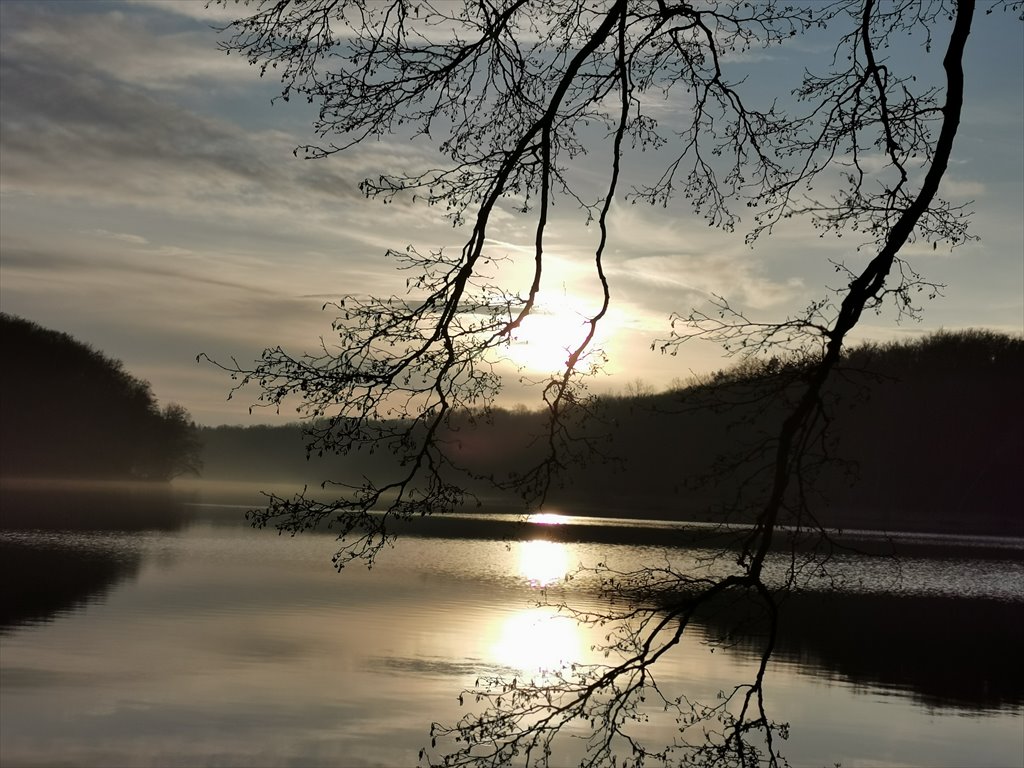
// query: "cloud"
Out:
[124,237]
[953,187]
[673,262]
[85,124]
[208,12]
[82,118]
[126,43]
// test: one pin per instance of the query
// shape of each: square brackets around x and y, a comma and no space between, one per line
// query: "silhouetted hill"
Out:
[926,435]
[67,410]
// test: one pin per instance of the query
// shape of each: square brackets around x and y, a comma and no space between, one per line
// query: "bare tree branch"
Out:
[507,96]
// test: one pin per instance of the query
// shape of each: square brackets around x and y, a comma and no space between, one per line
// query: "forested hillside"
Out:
[923,435]
[67,410]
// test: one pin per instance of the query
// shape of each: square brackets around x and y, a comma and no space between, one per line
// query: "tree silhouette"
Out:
[511,95]
[70,411]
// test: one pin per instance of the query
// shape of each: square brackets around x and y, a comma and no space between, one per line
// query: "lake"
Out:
[158,629]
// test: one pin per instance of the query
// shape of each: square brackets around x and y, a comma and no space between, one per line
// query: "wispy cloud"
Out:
[124,237]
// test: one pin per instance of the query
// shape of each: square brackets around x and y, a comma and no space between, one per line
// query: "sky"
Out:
[151,205]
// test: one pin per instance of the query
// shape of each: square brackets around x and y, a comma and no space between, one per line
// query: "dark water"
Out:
[156,629]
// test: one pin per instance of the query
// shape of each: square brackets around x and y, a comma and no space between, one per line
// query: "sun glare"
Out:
[548,518]
[543,562]
[548,336]
[538,639]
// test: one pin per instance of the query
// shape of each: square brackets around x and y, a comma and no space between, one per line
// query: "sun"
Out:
[544,341]
[548,335]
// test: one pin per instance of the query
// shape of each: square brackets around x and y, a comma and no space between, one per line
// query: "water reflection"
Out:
[536,640]
[42,580]
[941,652]
[65,544]
[245,648]
[543,562]
[548,518]
[539,638]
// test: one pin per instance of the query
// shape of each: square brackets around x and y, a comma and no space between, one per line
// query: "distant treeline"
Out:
[924,435]
[67,410]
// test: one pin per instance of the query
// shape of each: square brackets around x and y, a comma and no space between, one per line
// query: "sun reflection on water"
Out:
[547,518]
[538,639]
[543,563]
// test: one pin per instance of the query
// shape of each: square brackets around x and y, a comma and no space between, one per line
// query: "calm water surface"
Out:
[193,640]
